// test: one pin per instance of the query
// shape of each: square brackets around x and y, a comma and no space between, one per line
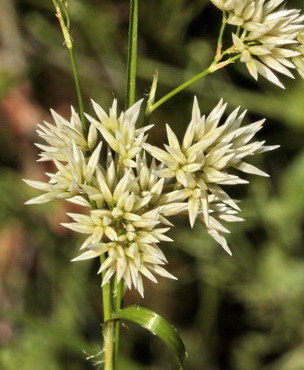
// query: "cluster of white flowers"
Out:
[267,36]
[129,201]
[199,165]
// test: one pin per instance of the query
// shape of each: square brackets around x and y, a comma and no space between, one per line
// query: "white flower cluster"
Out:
[199,165]
[267,36]
[128,200]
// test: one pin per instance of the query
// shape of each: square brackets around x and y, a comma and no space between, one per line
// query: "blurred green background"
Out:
[244,312]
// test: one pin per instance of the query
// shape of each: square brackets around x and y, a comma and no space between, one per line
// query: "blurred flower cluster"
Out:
[268,37]
[128,198]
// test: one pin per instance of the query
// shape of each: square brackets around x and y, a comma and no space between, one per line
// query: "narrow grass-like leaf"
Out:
[157,325]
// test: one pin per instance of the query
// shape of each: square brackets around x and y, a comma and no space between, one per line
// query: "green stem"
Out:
[220,38]
[108,336]
[65,24]
[106,297]
[180,88]
[108,325]
[238,31]
[78,90]
[118,294]
[132,54]
[214,66]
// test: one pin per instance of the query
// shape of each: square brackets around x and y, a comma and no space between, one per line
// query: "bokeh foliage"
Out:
[244,312]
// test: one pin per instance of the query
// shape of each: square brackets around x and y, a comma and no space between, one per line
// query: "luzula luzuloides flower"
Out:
[120,132]
[267,36]
[61,136]
[128,201]
[199,165]
[121,194]
[125,228]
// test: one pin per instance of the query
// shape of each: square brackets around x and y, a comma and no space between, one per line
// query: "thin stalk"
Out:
[106,298]
[78,90]
[108,326]
[108,336]
[64,21]
[214,66]
[132,54]
[180,88]
[238,31]
[118,294]
[220,38]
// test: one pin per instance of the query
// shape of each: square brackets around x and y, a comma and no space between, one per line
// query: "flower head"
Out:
[70,177]
[125,227]
[124,220]
[267,36]
[61,136]
[120,132]
[239,11]
[201,164]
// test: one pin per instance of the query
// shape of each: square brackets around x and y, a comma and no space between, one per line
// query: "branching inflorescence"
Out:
[128,200]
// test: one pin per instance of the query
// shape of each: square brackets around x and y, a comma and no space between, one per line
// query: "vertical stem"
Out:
[118,293]
[106,299]
[220,38]
[108,336]
[108,326]
[78,90]
[238,30]
[65,24]
[132,54]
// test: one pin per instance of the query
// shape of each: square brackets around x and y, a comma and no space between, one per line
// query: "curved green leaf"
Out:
[157,325]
